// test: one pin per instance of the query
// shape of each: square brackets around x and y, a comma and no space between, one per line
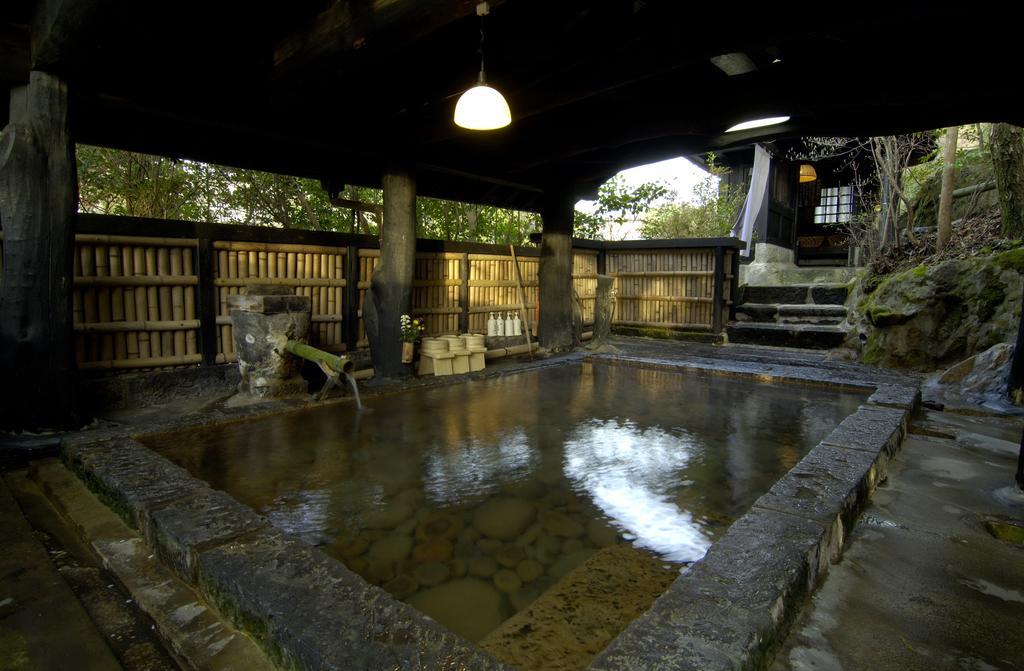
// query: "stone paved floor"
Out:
[922,584]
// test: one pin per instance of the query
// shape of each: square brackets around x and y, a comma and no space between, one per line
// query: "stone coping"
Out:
[308,611]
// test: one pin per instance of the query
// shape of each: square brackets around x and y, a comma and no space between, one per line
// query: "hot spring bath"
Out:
[470,500]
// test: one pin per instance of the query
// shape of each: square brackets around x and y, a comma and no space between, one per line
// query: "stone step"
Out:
[791,314]
[806,336]
[820,294]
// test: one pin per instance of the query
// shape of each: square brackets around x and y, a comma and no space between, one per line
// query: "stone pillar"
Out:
[390,294]
[38,199]
[555,273]
[263,320]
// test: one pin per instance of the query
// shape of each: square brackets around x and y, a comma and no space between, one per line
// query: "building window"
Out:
[836,205]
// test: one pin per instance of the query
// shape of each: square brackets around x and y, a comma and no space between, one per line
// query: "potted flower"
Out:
[411,331]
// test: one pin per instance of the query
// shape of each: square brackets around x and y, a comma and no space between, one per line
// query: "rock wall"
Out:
[928,318]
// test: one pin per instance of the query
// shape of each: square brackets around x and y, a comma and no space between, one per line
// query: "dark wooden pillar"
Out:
[37,210]
[555,274]
[390,294]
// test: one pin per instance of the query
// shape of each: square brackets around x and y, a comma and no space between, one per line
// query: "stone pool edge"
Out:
[305,609]
[309,611]
[734,607]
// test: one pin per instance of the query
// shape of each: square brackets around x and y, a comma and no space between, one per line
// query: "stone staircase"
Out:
[798,315]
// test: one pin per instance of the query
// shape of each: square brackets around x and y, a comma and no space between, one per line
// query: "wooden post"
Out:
[350,306]
[555,272]
[390,294]
[37,207]
[464,293]
[734,284]
[208,301]
[718,300]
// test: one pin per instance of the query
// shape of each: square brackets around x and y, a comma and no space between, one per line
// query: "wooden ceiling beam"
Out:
[347,26]
[60,28]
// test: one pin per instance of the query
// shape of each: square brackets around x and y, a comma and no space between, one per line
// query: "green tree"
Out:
[710,215]
[617,206]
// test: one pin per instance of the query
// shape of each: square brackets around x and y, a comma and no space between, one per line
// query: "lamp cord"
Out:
[481,49]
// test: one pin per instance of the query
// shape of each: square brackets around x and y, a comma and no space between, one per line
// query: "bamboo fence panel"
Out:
[316,271]
[671,288]
[493,287]
[435,291]
[133,302]
[584,281]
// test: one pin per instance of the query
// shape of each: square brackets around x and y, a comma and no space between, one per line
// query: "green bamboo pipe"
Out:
[339,364]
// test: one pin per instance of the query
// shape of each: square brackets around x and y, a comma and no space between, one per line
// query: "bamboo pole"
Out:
[522,300]
[128,270]
[177,300]
[166,311]
[136,325]
[270,247]
[141,299]
[153,362]
[117,301]
[103,299]
[188,260]
[133,240]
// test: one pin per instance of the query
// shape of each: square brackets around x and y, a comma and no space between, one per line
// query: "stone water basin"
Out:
[469,501]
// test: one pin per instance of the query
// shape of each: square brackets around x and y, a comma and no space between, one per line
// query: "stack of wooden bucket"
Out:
[452,354]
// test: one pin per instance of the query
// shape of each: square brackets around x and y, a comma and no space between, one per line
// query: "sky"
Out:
[677,174]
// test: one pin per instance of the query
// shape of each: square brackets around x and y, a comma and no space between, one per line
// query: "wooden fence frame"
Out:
[474,276]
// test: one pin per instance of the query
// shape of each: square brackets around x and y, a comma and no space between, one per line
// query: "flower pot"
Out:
[407,351]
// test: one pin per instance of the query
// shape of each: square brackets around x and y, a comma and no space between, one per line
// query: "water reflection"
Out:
[472,468]
[668,458]
[630,475]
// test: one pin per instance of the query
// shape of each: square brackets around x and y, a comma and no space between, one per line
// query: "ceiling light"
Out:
[758,123]
[807,173]
[732,64]
[482,107]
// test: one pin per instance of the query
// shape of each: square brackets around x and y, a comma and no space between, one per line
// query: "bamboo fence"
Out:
[138,301]
[134,302]
[665,288]
[316,271]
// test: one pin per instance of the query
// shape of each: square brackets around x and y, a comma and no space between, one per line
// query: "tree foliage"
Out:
[711,213]
[618,205]
[142,185]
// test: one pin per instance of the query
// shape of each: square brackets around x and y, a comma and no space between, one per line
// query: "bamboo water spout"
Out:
[332,365]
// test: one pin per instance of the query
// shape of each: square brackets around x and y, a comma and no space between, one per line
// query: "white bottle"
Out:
[517,325]
[492,325]
[499,326]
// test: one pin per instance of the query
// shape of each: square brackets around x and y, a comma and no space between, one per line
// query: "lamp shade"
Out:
[482,108]
[807,173]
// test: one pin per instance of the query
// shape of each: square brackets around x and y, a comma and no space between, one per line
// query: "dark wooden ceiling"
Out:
[341,90]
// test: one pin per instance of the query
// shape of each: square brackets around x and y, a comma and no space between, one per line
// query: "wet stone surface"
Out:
[183,527]
[313,613]
[130,476]
[904,397]
[871,428]
[733,602]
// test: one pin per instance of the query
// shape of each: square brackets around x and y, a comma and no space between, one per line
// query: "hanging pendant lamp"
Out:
[807,173]
[482,107]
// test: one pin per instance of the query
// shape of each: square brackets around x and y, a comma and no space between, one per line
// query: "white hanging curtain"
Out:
[757,196]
